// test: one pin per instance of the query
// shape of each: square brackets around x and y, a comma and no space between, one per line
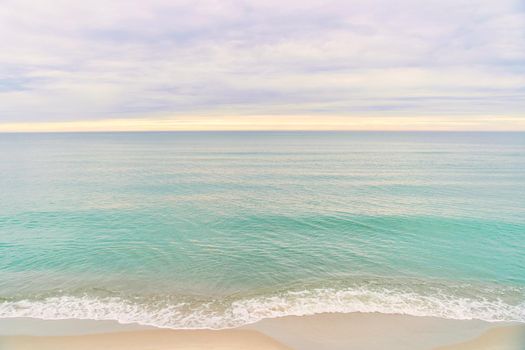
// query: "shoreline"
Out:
[368,331]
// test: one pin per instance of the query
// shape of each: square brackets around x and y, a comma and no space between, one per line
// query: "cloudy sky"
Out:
[354,64]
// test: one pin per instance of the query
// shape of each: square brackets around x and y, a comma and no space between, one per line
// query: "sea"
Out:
[213,230]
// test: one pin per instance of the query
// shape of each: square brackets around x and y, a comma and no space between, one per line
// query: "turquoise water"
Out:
[215,230]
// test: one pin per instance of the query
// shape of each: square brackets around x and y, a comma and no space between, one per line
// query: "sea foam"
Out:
[225,313]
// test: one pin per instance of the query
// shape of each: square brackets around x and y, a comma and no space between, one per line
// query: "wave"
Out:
[185,313]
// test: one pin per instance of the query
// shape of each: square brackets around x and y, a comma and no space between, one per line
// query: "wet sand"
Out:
[323,331]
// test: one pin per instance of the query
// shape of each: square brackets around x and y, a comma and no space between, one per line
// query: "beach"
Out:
[262,240]
[262,175]
[323,331]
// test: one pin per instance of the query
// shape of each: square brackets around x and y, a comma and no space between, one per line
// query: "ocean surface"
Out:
[217,230]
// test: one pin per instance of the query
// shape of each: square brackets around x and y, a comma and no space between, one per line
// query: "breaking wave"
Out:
[187,313]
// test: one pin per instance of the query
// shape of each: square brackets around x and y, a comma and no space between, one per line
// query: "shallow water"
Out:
[197,230]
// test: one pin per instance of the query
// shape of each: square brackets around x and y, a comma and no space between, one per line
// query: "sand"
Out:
[149,340]
[500,338]
[324,331]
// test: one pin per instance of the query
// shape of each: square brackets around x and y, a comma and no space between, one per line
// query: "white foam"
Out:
[220,314]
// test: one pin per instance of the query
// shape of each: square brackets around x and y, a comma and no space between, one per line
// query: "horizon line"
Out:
[274,123]
[256,131]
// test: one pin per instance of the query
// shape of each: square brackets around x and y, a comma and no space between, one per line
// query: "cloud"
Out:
[66,61]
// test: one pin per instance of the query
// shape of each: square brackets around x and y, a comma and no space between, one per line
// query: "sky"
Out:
[262,64]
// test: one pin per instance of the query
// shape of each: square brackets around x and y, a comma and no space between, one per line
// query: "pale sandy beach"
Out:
[324,331]
[150,339]
[501,338]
